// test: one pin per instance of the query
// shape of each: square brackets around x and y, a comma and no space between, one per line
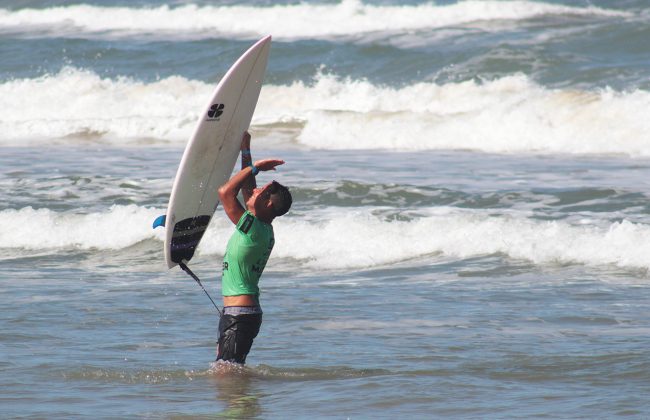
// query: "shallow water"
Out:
[443,331]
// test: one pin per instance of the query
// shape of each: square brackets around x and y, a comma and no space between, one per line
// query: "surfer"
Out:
[247,252]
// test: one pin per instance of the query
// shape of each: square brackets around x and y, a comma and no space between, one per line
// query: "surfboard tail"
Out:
[186,237]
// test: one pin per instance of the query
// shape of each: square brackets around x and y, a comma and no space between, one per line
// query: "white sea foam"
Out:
[40,229]
[359,239]
[353,239]
[77,102]
[298,21]
[508,115]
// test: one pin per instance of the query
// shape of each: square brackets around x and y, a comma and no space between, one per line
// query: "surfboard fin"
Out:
[160,221]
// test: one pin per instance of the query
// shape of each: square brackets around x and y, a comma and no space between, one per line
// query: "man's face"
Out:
[261,196]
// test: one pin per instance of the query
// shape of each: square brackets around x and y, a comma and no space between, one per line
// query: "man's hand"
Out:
[268,164]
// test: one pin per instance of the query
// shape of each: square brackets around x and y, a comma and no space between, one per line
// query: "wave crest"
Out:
[355,238]
[512,114]
[289,22]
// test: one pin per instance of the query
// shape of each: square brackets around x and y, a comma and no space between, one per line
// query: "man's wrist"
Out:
[254,169]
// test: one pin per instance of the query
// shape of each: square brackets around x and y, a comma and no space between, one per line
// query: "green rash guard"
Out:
[247,252]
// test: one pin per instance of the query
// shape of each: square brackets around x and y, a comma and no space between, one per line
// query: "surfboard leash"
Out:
[188,271]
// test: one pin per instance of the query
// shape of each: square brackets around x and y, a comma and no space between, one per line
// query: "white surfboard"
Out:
[211,154]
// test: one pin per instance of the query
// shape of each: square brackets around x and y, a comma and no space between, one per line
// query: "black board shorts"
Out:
[236,335]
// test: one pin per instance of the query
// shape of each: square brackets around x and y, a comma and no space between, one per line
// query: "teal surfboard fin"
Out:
[160,221]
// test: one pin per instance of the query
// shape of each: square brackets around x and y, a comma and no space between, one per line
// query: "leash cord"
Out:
[188,271]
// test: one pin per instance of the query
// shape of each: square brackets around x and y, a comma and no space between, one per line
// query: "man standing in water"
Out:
[247,252]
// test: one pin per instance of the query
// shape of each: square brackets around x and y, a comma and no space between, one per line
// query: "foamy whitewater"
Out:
[510,114]
[470,233]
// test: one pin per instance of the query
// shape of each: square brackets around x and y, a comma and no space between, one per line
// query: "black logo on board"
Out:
[215,111]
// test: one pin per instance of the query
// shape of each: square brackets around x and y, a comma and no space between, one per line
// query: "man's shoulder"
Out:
[246,222]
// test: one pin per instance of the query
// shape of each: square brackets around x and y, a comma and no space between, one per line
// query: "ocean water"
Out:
[470,235]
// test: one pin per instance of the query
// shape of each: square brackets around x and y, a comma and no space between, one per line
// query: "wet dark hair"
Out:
[280,198]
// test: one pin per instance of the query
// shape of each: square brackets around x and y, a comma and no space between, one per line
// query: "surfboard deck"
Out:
[211,154]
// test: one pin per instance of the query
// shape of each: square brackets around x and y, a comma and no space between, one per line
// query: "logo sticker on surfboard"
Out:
[215,111]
